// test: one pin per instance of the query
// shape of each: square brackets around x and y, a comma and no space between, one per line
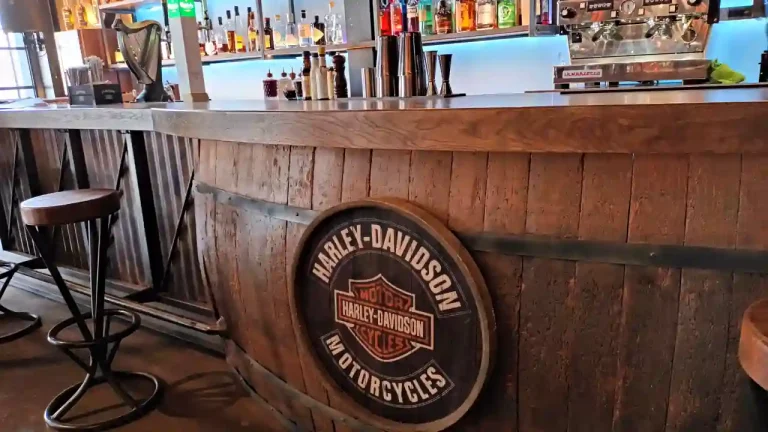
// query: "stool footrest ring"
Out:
[34,323]
[140,409]
[135,323]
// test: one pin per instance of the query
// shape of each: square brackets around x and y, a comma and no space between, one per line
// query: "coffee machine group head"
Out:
[632,28]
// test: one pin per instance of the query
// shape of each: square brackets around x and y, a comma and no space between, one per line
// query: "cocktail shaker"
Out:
[369,82]
[386,66]
[420,72]
[406,71]
[445,72]
[430,58]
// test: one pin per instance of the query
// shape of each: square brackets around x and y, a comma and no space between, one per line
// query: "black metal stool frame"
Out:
[97,343]
[34,321]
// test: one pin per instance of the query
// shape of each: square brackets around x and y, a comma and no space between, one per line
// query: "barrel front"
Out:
[592,333]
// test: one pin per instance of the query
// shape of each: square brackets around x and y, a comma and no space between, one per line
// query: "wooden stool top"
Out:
[753,345]
[67,207]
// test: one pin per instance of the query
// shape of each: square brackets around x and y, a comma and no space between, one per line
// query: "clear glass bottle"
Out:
[412,15]
[466,15]
[305,30]
[333,28]
[318,31]
[231,33]
[284,84]
[426,23]
[486,14]
[241,31]
[221,37]
[507,13]
[269,37]
[385,18]
[277,31]
[68,18]
[253,33]
[443,17]
[396,9]
[291,36]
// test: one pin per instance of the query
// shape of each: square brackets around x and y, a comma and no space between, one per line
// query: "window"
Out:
[15,75]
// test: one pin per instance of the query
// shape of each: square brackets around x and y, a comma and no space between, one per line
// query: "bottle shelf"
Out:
[126,5]
[297,51]
[478,35]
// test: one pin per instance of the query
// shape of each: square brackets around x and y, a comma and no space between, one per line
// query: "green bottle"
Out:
[507,13]
[426,24]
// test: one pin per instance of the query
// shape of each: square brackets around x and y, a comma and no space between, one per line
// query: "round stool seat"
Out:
[753,345]
[68,207]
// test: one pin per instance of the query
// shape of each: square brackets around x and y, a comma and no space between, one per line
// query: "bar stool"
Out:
[94,206]
[7,271]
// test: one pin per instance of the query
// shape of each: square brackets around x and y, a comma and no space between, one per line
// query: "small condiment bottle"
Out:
[285,84]
[297,85]
[270,87]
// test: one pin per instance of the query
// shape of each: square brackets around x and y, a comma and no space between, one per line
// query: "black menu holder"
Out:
[95,94]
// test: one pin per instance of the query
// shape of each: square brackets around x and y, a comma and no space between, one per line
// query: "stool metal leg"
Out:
[99,368]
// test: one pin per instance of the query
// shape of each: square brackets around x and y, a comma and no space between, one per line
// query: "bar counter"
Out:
[621,236]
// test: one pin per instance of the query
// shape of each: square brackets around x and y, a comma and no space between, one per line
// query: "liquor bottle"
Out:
[68,18]
[507,13]
[82,22]
[385,18]
[94,14]
[241,31]
[314,73]
[231,33]
[396,9]
[291,37]
[486,14]
[412,14]
[306,77]
[305,30]
[277,31]
[426,25]
[168,44]
[253,34]
[443,18]
[269,37]
[321,80]
[318,31]
[222,40]
[544,15]
[333,31]
[201,38]
[465,15]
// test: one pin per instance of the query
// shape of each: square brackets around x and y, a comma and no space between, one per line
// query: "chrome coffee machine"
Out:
[641,41]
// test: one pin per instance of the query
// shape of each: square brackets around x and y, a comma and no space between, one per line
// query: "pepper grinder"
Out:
[431,61]
[341,77]
[445,72]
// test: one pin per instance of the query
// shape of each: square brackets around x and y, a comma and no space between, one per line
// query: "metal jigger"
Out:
[445,72]
[431,60]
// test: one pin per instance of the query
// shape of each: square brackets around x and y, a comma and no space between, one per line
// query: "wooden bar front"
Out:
[582,345]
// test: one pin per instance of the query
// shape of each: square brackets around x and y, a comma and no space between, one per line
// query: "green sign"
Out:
[181,9]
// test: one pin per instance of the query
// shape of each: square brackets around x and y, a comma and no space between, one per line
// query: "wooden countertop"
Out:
[722,120]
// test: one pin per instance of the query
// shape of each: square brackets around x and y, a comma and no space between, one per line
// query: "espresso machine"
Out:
[635,41]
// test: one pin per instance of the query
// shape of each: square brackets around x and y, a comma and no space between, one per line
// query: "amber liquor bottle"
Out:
[465,15]
[443,18]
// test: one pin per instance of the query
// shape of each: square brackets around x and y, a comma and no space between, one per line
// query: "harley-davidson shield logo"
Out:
[384,318]
[394,313]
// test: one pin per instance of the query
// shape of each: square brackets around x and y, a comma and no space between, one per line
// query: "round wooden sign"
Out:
[394,312]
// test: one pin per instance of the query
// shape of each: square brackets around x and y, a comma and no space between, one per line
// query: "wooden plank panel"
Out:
[554,194]
[390,172]
[466,207]
[205,215]
[429,186]
[300,179]
[466,204]
[596,296]
[356,179]
[505,205]
[326,193]
[650,298]
[738,410]
[702,330]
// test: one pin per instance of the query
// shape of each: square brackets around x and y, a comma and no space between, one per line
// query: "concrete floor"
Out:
[201,394]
